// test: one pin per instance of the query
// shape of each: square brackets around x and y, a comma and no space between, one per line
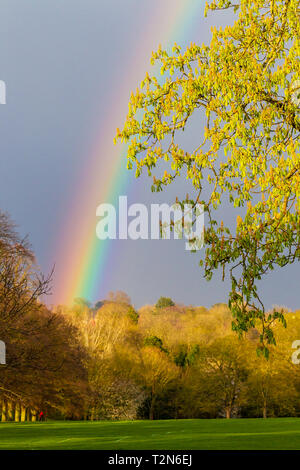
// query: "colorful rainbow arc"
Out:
[82,258]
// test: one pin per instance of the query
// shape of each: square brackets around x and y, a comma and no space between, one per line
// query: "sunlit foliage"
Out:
[246,81]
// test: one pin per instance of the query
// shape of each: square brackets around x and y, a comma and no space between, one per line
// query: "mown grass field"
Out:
[251,434]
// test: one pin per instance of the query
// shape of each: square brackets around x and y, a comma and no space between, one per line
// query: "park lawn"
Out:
[213,434]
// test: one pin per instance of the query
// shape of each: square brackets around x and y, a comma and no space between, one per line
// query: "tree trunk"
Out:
[10,411]
[228,412]
[3,416]
[23,413]
[17,412]
[151,410]
[265,409]
[33,415]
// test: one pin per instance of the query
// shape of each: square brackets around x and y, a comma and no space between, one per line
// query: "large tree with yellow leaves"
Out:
[247,83]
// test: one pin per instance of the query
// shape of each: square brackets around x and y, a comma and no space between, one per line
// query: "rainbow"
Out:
[81,259]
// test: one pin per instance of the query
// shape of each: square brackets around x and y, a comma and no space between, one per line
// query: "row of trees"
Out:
[183,362]
[44,359]
[109,361]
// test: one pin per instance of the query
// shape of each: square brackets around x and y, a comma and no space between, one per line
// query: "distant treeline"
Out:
[170,361]
[161,362]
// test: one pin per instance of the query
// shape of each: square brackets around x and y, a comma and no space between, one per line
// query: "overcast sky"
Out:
[61,61]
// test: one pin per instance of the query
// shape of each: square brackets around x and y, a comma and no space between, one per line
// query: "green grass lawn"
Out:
[251,434]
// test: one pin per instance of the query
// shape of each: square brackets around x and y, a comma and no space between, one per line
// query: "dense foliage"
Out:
[183,362]
[44,360]
[247,84]
[109,361]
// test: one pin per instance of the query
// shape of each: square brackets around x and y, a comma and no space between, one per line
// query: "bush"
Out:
[164,302]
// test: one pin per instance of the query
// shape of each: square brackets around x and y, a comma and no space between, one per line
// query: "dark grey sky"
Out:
[61,61]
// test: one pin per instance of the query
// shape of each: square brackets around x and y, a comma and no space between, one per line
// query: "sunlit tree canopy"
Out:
[246,81]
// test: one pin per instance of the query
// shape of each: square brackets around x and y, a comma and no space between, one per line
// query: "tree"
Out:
[222,373]
[164,302]
[246,82]
[119,297]
[21,284]
[80,301]
[154,371]
[44,366]
[133,315]
[113,394]
[155,342]
[271,387]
